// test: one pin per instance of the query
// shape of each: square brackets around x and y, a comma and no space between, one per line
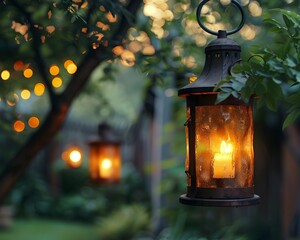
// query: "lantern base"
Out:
[211,202]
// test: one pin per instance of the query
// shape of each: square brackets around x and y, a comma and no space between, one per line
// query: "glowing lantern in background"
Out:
[219,137]
[105,156]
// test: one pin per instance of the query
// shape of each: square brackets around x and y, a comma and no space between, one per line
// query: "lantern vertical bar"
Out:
[192,147]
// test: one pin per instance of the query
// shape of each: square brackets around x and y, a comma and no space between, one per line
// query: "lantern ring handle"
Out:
[198,14]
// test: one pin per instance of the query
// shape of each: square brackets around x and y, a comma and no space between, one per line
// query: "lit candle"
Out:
[105,168]
[223,162]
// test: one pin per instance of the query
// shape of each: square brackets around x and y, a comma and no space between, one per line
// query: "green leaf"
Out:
[290,62]
[273,22]
[294,98]
[291,118]
[276,80]
[287,21]
[236,85]
[222,96]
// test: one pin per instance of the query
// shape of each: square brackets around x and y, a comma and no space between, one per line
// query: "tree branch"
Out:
[36,46]
[56,117]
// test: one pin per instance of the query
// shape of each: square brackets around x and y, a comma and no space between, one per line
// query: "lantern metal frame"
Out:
[221,55]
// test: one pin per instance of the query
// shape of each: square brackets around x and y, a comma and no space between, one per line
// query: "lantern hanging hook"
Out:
[198,14]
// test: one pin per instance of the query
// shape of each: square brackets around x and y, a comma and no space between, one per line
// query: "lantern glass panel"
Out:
[105,162]
[223,146]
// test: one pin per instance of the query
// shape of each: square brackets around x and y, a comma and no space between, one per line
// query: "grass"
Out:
[42,229]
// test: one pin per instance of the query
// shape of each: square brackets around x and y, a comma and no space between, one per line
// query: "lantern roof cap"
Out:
[106,135]
[222,43]
[221,54]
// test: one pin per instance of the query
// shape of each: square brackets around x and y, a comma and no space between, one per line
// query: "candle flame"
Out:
[106,164]
[226,147]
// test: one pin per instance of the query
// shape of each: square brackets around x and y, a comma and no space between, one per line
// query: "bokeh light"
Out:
[5,75]
[127,58]
[72,68]
[225,2]
[33,122]
[255,9]
[192,78]
[118,50]
[159,12]
[28,73]
[39,89]
[67,63]
[248,32]
[12,99]
[54,70]
[19,126]
[25,94]
[149,50]
[111,18]
[73,157]
[19,66]
[56,82]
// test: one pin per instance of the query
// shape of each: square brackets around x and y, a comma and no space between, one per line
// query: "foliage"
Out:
[42,229]
[134,219]
[275,75]
[78,199]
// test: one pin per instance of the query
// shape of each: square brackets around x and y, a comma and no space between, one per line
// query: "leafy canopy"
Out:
[273,73]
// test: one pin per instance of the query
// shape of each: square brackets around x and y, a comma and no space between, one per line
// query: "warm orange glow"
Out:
[102,26]
[224,146]
[105,162]
[28,73]
[72,68]
[50,29]
[118,50]
[73,157]
[149,50]
[39,89]
[33,122]
[19,66]
[19,126]
[5,74]
[223,163]
[67,63]
[127,58]
[56,82]
[105,166]
[192,78]
[111,18]
[54,70]
[25,94]
[84,5]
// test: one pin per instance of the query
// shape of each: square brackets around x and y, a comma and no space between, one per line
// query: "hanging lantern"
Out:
[105,157]
[219,137]
[73,157]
